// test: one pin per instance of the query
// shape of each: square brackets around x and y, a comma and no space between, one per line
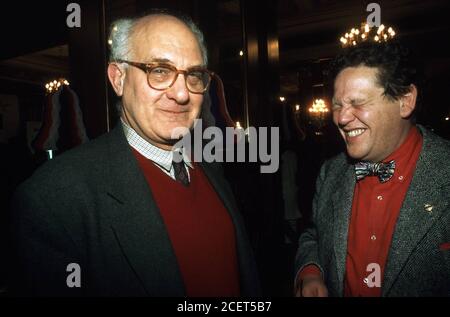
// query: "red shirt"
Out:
[375,210]
[200,229]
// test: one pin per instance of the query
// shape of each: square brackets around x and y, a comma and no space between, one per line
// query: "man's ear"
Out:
[408,102]
[116,77]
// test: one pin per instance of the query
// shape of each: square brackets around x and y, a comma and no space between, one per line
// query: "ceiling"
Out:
[37,68]
[308,30]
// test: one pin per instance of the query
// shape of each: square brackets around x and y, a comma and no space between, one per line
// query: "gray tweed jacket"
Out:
[418,262]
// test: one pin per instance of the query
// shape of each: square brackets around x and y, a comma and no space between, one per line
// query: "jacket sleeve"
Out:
[41,249]
[308,252]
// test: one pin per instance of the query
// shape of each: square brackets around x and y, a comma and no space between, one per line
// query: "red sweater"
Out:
[200,229]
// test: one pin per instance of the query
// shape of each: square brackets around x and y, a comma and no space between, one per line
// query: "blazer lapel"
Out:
[422,206]
[137,222]
[342,205]
[220,188]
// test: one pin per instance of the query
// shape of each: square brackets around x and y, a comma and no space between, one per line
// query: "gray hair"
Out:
[121,31]
[119,35]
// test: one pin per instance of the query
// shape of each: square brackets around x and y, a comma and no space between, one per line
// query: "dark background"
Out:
[287,46]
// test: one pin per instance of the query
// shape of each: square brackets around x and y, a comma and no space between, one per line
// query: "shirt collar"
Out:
[402,156]
[159,156]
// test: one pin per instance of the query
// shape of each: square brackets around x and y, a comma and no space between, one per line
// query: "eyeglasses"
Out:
[162,76]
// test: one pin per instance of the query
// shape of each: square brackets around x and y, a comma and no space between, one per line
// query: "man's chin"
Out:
[355,155]
[177,133]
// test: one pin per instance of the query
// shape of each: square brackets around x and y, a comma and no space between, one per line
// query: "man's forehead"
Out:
[150,21]
[356,81]
[356,94]
[361,72]
[152,37]
[159,26]
[152,53]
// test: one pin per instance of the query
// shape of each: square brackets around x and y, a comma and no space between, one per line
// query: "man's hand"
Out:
[311,286]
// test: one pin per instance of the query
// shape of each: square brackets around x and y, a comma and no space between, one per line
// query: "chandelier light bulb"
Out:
[367,33]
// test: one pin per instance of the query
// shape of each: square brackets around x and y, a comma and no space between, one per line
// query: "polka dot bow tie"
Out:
[384,171]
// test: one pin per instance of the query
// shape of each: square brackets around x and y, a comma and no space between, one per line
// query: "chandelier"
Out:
[318,113]
[318,107]
[367,33]
[55,85]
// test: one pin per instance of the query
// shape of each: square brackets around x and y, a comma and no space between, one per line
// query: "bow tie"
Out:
[384,171]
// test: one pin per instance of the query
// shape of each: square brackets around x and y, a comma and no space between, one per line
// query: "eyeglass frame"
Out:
[146,66]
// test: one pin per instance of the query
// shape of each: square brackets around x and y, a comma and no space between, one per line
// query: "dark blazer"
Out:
[92,206]
[417,263]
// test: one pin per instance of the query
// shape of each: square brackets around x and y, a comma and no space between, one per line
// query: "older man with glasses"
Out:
[120,216]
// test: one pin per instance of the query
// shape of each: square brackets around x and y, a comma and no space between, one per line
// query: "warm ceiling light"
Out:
[318,107]
[54,85]
[365,33]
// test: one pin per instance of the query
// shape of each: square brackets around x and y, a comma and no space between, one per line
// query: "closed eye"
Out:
[336,106]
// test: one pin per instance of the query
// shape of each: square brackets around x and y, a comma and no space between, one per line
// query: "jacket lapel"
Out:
[137,223]
[220,187]
[342,205]
[422,206]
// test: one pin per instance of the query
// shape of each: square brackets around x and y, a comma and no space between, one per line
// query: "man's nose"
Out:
[178,91]
[344,115]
